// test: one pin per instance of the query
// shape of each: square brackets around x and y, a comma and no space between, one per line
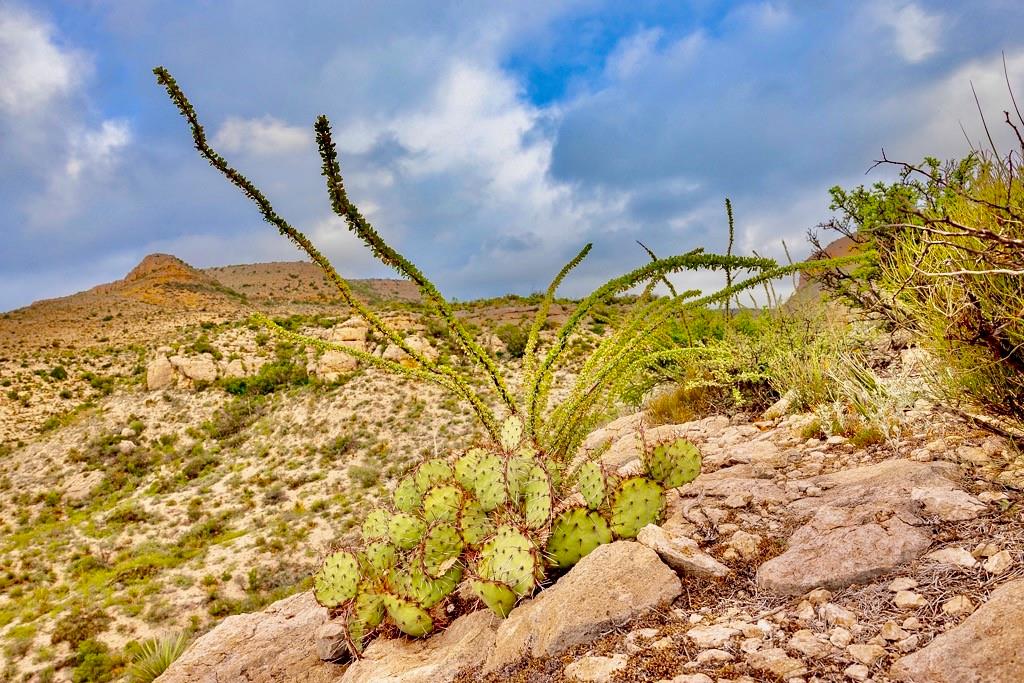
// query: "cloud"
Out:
[917,34]
[33,69]
[263,136]
[96,150]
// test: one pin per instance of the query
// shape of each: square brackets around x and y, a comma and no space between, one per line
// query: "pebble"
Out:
[909,644]
[958,604]
[998,563]
[633,639]
[819,596]
[840,637]
[711,636]
[714,655]
[892,631]
[595,669]
[955,556]
[808,644]
[690,678]
[866,653]
[839,616]
[909,600]
[857,672]
[911,623]
[902,584]
[746,544]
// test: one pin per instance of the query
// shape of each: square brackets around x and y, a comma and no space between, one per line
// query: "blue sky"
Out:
[488,141]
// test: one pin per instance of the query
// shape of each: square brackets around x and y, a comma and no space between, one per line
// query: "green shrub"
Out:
[59,373]
[80,625]
[514,337]
[95,663]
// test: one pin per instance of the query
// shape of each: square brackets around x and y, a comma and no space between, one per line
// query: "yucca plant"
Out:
[503,516]
[155,655]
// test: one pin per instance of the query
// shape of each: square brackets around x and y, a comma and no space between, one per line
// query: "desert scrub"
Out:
[152,657]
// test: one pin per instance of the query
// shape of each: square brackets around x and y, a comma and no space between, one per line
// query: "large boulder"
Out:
[159,373]
[988,647]
[464,644]
[201,368]
[612,585]
[272,646]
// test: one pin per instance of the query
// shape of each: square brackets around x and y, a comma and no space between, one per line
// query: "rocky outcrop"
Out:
[464,644]
[277,645]
[201,368]
[988,647]
[159,373]
[609,587]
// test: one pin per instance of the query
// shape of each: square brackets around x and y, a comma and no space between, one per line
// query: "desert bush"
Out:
[514,337]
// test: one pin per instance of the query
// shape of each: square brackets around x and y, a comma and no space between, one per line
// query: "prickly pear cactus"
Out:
[510,558]
[673,464]
[496,595]
[338,579]
[405,530]
[442,546]
[408,497]
[409,617]
[591,481]
[511,433]
[636,503]
[574,534]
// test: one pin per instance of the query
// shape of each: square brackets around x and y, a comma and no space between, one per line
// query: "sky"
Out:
[486,141]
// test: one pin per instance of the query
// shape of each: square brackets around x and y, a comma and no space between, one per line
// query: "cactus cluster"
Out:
[497,520]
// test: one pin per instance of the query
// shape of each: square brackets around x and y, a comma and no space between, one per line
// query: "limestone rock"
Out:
[865,653]
[277,644]
[331,365]
[713,636]
[775,661]
[78,487]
[159,373]
[998,563]
[681,553]
[782,406]
[909,600]
[958,557]
[595,669]
[201,368]
[609,587]
[809,645]
[437,659]
[985,648]
[948,504]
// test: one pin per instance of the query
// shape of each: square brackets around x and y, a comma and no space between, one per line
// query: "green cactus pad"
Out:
[517,471]
[637,502]
[377,558]
[375,526]
[511,558]
[511,433]
[413,584]
[674,464]
[537,498]
[574,534]
[442,503]
[591,482]
[338,579]
[408,497]
[465,468]
[406,531]
[366,614]
[499,597]
[432,473]
[410,618]
[474,523]
[441,549]
[490,482]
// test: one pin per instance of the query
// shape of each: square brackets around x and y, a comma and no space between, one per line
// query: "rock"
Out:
[599,593]
[866,654]
[992,496]
[857,672]
[904,583]
[716,635]
[634,639]
[831,613]
[957,605]
[331,365]
[681,553]
[818,596]
[808,644]
[998,563]
[629,446]
[948,504]
[78,487]
[776,662]
[958,557]
[713,656]
[331,642]
[840,637]
[277,644]
[233,368]
[595,669]
[909,644]
[125,447]
[986,647]
[691,678]
[841,546]
[437,659]
[159,373]
[782,406]
[892,631]
[613,431]
[746,544]
[909,600]
[128,433]
[201,368]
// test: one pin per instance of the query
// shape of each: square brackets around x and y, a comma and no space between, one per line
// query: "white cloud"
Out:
[264,136]
[916,33]
[34,71]
[96,150]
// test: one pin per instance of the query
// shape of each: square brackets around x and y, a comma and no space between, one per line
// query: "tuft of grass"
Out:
[154,656]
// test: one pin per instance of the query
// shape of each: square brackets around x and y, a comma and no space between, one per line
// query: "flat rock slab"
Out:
[464,644]
[681,553]
[273,646]
[988,647]
[890,482]
[612,585]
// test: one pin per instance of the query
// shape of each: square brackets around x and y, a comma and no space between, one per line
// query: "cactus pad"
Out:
[465,468]
[592,484]
[499,597]
[537,498]
[409,617]
[405,531]
[366,614]
[511,558]
[375,526]
[377,558]
[490,482]
[412,584]
[442,546]
[474,523]
[432,473]
[408,497]
[338,579]
[511,433]
[442,503]
[574,534]
[637,502]
[674,464]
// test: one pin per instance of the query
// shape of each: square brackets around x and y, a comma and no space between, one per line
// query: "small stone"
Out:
[805,611]
[911,623]
[958,604]
[998,563]
[948,504]
[992,496]
[985,550]
[835,615]
[902,584]
[332,642]
[865,653]
[714,655]
[753,631]
[751,645]
[819,596]
[909,600]
[737,500]
[909,644]
[595,669]
[633,638]
[840,637]
[692,678]
[681,553]
[892,631]
[125,447]
[711,636]
[746,544]
[955,556]
[777,662]
[808,644]
[857,672]
[663,643]
[128,433]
